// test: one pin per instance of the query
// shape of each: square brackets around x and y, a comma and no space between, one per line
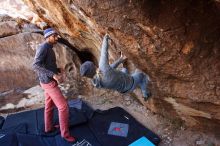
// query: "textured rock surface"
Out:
[176,43]
[8,28]
[16,59]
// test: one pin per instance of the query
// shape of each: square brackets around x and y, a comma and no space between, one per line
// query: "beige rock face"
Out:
[8,28]
[176,43]
[16,58]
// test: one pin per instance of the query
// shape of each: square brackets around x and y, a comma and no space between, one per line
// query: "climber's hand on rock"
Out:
[107,36]
[123,56]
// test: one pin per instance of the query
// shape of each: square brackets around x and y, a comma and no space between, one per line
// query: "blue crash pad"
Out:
[143,141]
[91,128]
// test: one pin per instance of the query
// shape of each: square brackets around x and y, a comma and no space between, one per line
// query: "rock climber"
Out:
[109,77]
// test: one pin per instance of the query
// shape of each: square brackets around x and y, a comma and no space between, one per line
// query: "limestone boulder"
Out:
[8,28]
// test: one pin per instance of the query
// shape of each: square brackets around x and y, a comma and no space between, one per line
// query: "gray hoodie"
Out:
[110,77]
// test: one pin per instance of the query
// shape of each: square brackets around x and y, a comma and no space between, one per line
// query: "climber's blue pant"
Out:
[140,79]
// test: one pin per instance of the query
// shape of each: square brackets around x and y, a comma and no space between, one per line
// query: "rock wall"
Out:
[175,42]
